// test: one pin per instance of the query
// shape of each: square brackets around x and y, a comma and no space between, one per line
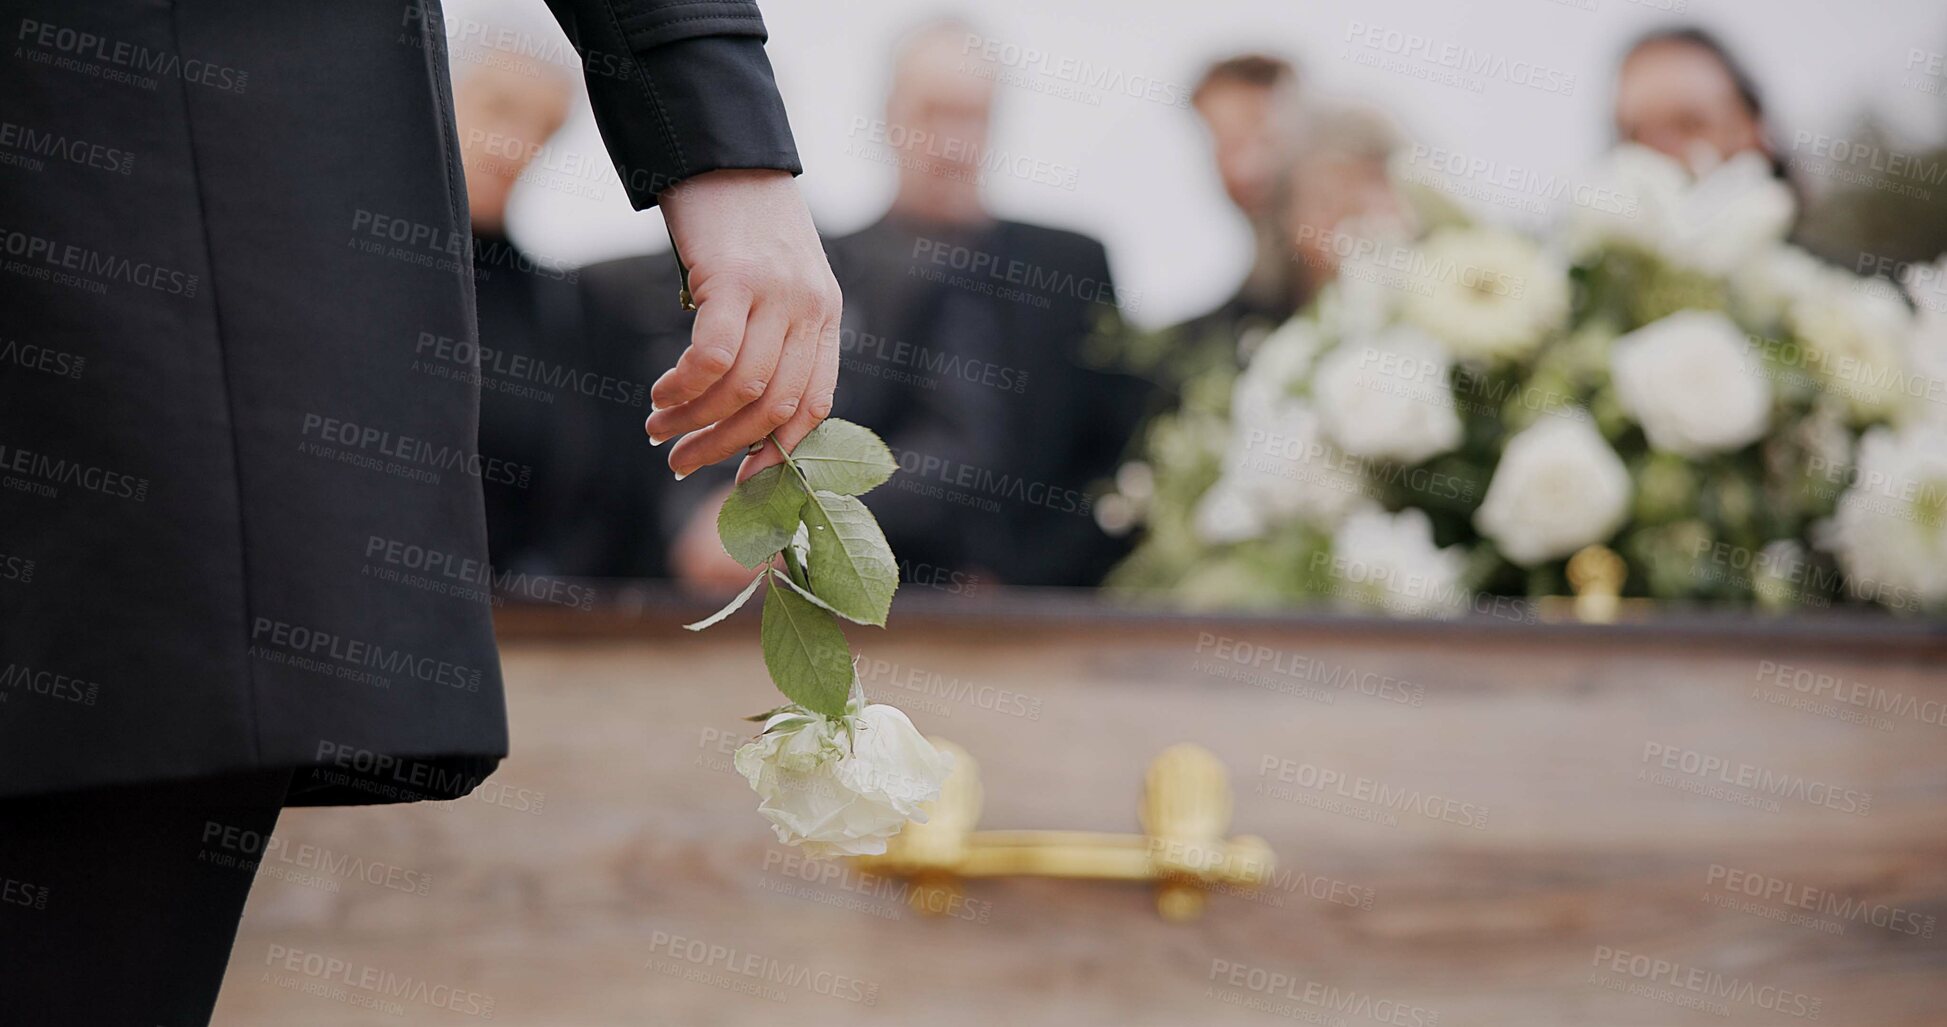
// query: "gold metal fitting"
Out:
[1597,574]
[1186,808]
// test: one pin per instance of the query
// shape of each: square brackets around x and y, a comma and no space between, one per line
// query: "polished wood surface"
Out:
[1476,823]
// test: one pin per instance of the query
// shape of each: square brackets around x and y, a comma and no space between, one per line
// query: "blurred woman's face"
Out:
[1680,99]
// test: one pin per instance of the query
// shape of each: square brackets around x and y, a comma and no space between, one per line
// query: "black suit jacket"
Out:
[976,335]
[240,490]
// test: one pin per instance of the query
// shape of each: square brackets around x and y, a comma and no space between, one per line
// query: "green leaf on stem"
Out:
[760,515]
[806,653]
[842,457]
[851,567]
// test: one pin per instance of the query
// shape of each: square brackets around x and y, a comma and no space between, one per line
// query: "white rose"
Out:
[1692,382]
[842,787]
[1729,215]
[1859,331]
[1889,531]
[1765,286]
[1389,561]
[1559,487]
[1287,469]
[1279,465]
[1486,293]
[1281,361]
[1387,397]
[1225,514]
[1714,222]
[1634,195]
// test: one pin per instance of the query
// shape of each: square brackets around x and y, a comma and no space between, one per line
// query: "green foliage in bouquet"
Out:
[805,513]
[1629,287]
[1180,448]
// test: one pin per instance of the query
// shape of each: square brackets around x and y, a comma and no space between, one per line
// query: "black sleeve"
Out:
[679,87]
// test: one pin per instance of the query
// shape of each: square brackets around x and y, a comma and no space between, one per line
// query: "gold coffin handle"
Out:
[1185,811]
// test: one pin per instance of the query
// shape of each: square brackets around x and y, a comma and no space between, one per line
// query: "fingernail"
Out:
[680,475]
[657,440]
[756,447]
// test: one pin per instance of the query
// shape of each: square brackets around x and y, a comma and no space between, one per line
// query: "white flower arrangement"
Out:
[1688,394]
[1486,293]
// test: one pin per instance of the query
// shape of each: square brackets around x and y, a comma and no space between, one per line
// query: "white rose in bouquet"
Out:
[1282,468]
[1386,397]
[1559,487]
[1889,532]
[1632,196]
[842,787]
[1281,362]
[1692,382]
[1712,222]
[1389,561]
[1486,293]
[1858,330]
[1279,465]
[1225,514]
[1731,214]
[1765,286]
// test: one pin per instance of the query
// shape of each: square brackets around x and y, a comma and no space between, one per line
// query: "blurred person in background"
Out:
[962,347]
[1238,100]
[566,356]
[1335,194]
[1333,198]
[1680,92]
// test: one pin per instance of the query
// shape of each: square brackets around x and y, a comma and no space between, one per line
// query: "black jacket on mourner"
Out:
[965,346]
[240,490]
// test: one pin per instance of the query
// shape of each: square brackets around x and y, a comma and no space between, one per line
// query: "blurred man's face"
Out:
[937,120]
[1239,118]
[1338,204]
[1679,99]
[505,115]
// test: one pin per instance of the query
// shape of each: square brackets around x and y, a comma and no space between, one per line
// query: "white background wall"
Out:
[1142,178]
